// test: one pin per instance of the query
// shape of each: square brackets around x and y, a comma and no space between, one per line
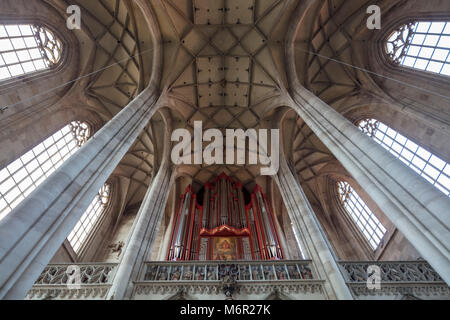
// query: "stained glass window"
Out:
[360,213]
[27,48]
[423,45]
[434,169]
[25,174]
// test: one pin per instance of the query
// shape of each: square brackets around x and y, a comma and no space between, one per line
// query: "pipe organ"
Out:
[224,227]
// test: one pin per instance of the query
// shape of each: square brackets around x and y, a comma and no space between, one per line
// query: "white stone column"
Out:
[32,233]
[312,236]
[143,234]
[415,207]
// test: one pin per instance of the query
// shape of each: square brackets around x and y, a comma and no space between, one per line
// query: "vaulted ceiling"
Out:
[116,51]
[223,65]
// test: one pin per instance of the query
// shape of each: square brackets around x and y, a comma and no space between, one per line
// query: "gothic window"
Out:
[429,166]
[360,213]
[90,218]
[422,45]
[23,175]
[27,48]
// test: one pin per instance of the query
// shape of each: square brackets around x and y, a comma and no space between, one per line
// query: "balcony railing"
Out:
[216,271]
[407,278]
[258,279]
[213,276]
[73,281]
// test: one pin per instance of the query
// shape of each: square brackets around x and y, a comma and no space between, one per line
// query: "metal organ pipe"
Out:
[250,228]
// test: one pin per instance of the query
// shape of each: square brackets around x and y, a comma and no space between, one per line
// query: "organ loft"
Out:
[224,149]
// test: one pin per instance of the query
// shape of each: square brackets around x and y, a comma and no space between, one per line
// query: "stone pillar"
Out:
[146,226]
[166,239]
[415,207]
[143,234]
[32,233]
[309,231]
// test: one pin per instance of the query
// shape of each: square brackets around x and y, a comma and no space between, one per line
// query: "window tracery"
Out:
[22,176]
[27,48]
[422,45]
[372,229]
[426,164]
[89,219]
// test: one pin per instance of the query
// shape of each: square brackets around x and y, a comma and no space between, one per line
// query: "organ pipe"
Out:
[224,227]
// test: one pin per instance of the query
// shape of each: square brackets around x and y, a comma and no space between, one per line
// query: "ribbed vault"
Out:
[223,66]
[116,50]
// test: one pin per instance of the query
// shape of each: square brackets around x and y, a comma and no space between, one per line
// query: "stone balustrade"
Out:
[73,281]
[216,271]
[284,279]
[219,279]
[404,279]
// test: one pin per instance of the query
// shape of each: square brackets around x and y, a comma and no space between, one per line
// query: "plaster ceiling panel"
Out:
[178,19]
[236,95]
[261,93]
[318,40]
[121,12]
[277,52]
[194,41]
[185,93]
[253,41]
[108,42]
[239,11]
[209,30]
[261,76]
[237,69]
[249,119]
[184,8]
[198,116]
[178,65]
[209,69]
[265,59]
[262,6]
[223,117]
[338,40]
[244,176]
[129,43]
[187,77]
[239,31]
[269,21]
[204,176]
[224,40]
[208,12]
[238,51]
[210,95]
[116,29]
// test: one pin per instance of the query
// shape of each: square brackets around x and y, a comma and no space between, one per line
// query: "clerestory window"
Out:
[27,48]
[372,229]
[89,220]
[426,164]
[25,174]
[422,45]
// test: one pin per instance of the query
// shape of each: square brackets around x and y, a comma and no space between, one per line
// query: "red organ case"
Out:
[224,227]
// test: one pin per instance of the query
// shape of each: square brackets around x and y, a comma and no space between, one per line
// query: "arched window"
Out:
[23,175]
[360,213]
[429,166]
[27,48]
[422,45]
[90,218]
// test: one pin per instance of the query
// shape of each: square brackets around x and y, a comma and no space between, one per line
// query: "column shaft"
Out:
[413,205]
[32,233]
[308,229]
[143,234]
